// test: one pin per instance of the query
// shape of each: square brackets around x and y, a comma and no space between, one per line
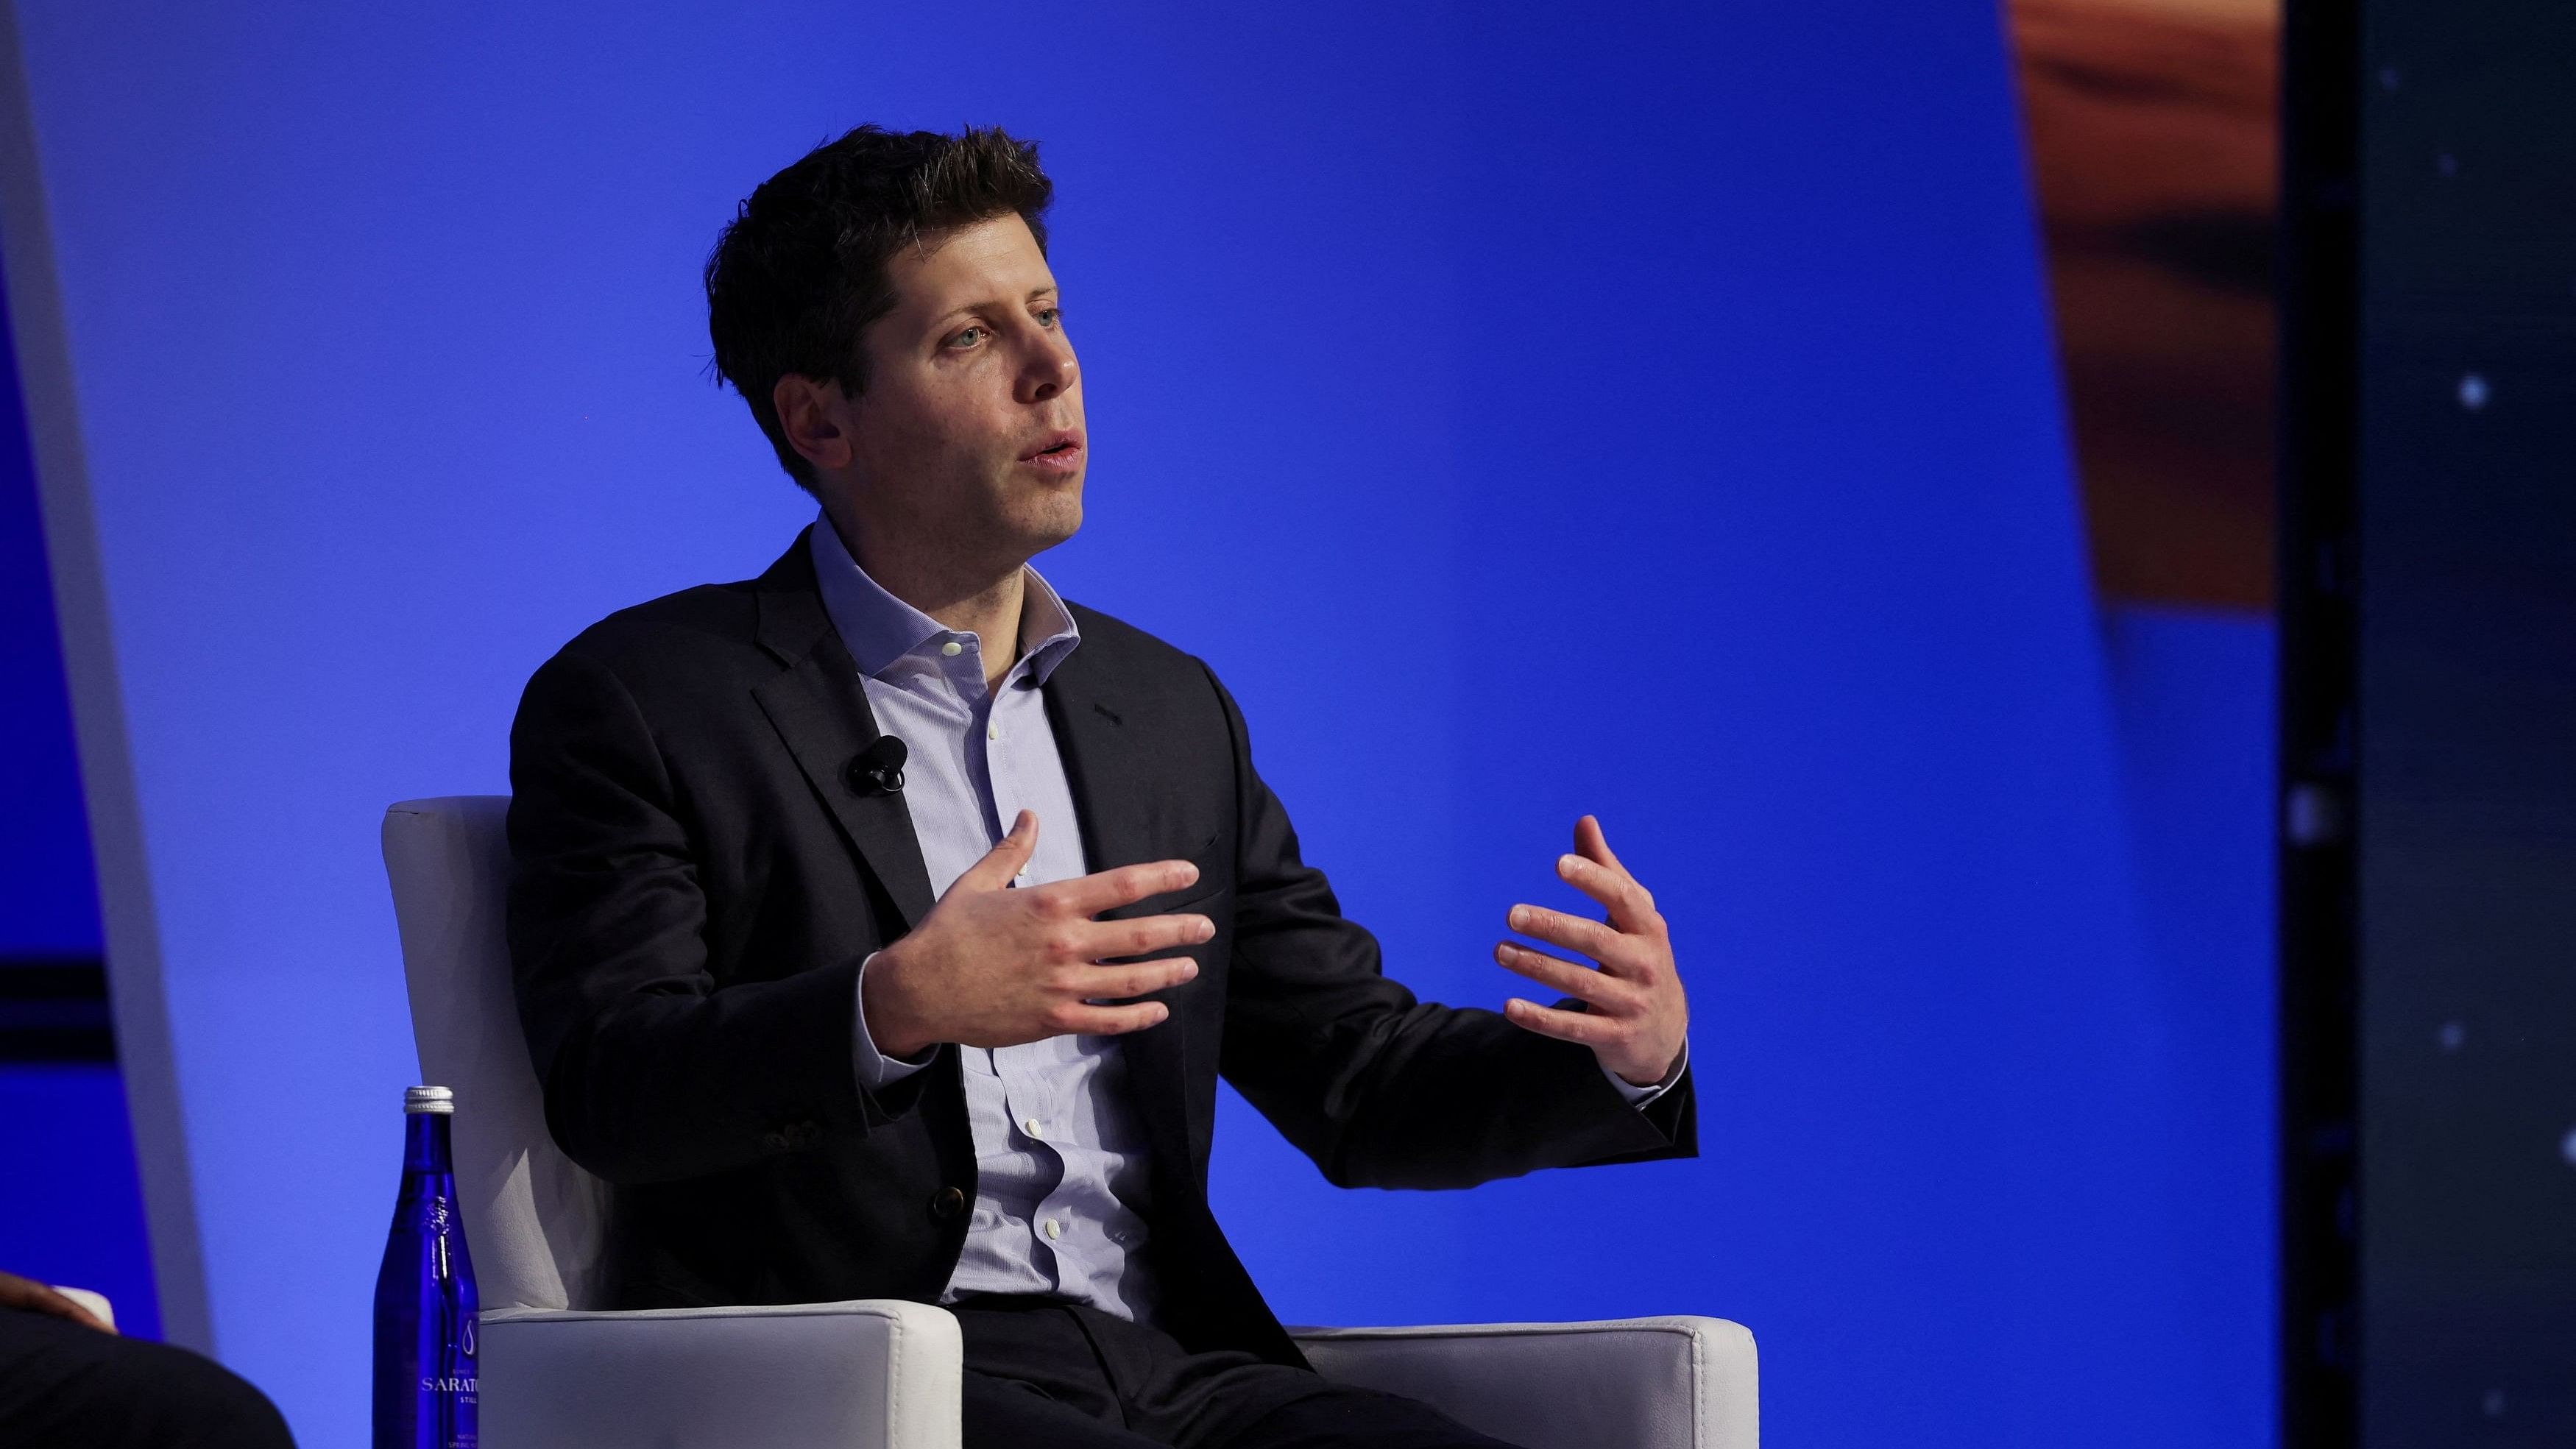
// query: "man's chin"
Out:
[1054,520]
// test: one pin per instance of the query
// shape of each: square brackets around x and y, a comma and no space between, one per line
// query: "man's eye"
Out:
[967,337]
[1047,316]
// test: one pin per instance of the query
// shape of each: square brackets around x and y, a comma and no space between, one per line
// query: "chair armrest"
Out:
[1650,1383]
[96,1303]
[869,1374]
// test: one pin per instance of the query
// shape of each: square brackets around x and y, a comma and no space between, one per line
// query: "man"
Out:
[883,924]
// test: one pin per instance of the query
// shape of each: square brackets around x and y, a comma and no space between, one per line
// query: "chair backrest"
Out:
[533,1221]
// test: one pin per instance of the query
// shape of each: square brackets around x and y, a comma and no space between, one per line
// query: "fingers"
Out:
[1586,938]
[1573,1026]
[1082,1019]
[1117,983]
[1593,870]
[1108,940]
[1599,988]
[1109,889]
[1638,1019]
[1008,857]
[1631,907]
[1592,845]
[1100,1004]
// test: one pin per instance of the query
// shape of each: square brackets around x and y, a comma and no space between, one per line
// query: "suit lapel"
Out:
[1104,762]
[1110,769]
[820,710]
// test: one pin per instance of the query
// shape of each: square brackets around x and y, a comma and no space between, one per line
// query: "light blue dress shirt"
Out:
[1061,1168]
[1060,1164]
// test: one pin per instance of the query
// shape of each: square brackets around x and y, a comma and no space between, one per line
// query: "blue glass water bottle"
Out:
[425,1304]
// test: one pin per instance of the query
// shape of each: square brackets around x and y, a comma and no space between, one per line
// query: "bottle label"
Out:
[450,1394]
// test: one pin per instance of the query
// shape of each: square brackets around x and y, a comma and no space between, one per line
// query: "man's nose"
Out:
[1050,371]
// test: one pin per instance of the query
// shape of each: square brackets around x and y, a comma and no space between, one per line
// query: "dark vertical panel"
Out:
[2319,401]
[2430,672]
[2468,725]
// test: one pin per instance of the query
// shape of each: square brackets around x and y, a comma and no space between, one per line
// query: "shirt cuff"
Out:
[1637,1096]
[875,1069]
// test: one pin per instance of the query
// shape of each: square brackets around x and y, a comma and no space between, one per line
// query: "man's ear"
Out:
[807,413]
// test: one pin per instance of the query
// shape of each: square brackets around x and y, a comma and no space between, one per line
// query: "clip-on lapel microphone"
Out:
[878,769]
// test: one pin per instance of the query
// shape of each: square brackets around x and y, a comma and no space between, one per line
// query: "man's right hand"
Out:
[991,966]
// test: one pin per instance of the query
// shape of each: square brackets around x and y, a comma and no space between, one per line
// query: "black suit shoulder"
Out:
[1177,690]
[1145,655]
[1156,692]
[683,664]
[642,639]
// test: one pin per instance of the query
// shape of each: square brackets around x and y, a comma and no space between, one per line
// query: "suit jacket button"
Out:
[948,1202]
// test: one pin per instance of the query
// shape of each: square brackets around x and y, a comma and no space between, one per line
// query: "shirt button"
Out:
[993,733]
[952,648]
[1034,1128]
[1053,1229]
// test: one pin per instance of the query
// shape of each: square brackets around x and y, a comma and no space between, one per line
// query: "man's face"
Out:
[968,440]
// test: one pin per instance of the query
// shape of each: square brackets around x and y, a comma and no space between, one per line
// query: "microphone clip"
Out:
[878,769]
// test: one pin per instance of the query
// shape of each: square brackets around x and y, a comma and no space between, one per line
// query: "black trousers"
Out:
[65,1386]
[1041,1373]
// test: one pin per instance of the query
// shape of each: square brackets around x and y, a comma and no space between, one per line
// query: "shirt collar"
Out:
[880,629]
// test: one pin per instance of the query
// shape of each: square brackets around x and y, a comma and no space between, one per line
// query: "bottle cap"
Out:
[428,1099]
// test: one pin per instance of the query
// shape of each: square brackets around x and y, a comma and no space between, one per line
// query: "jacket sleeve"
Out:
[1380,1089]
[650,1072]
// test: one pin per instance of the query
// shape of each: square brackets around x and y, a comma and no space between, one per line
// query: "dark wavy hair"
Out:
[800,272]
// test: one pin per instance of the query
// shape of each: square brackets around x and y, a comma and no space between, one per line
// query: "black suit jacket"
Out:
[698,878]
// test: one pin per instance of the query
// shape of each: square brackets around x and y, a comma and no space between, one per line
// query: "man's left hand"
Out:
[1637,1019]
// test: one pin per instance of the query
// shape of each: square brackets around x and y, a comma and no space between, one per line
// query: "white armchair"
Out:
[877,1373]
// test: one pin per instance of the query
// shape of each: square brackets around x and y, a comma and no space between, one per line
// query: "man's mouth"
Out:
[1058,450]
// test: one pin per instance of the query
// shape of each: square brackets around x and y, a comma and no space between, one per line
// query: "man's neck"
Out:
[983,599]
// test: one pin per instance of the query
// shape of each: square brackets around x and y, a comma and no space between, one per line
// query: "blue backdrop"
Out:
[1646,410]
